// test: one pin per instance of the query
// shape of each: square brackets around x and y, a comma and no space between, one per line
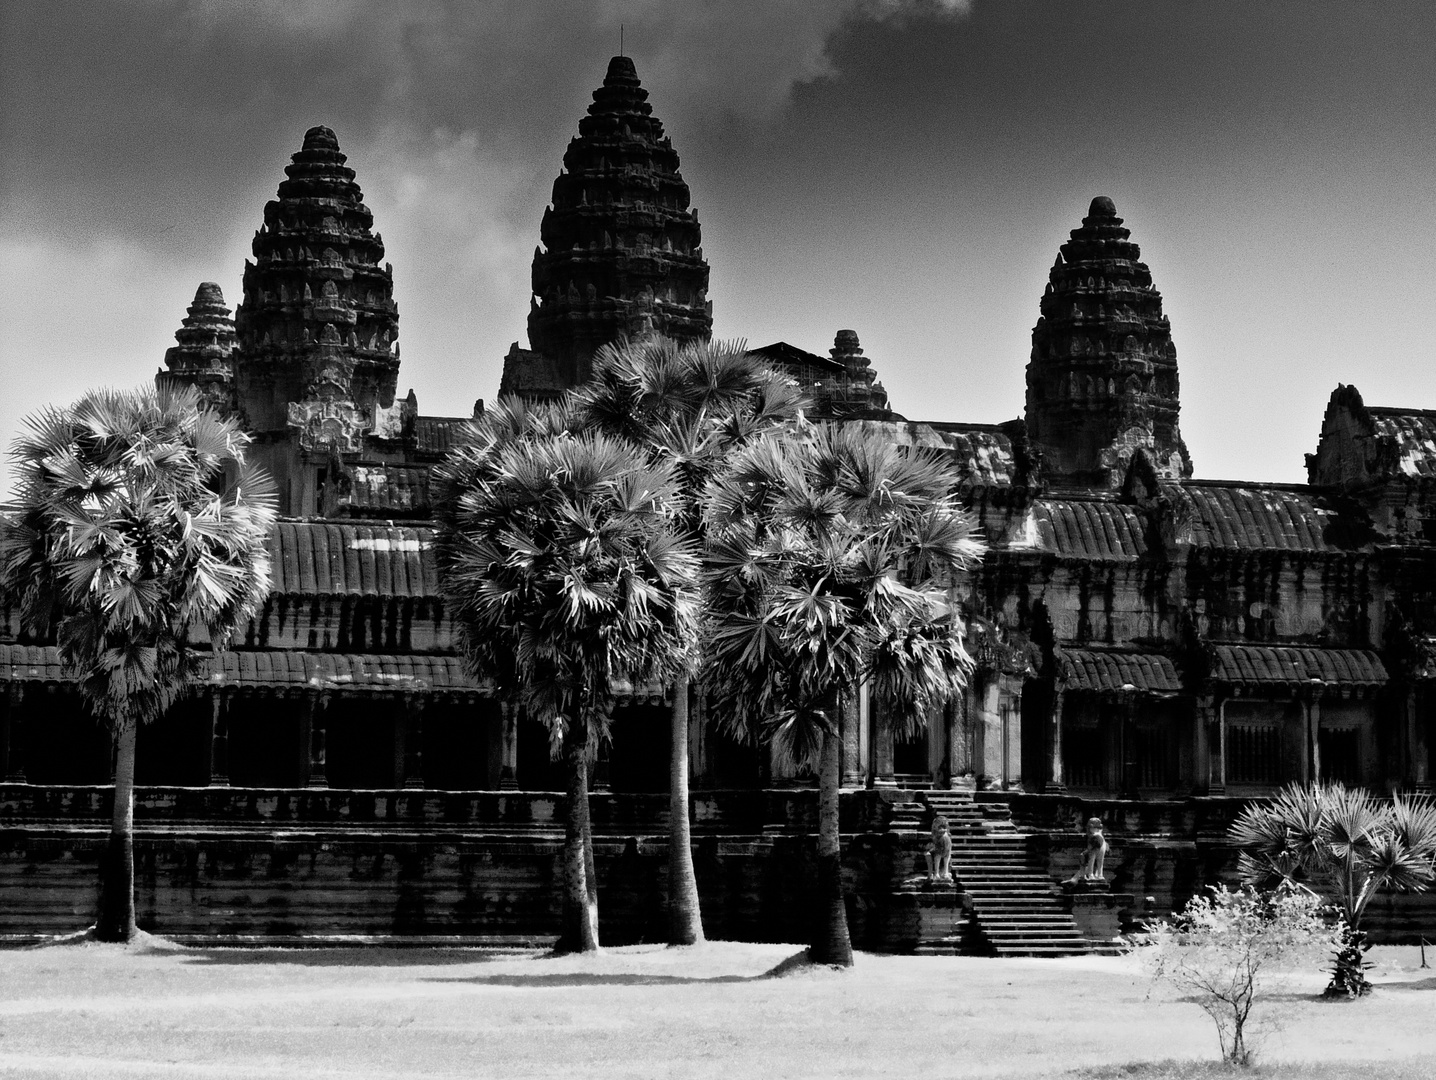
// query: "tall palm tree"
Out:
[693,406]
[1344,845]
[831,561]
[141,543]
[560,554]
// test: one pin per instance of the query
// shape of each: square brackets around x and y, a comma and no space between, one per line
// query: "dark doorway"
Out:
[359,735]
[58,740]
[537,771]
[642,742]
[264,742]
[456,745]
[174,750]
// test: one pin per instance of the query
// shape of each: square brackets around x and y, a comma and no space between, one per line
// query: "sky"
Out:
[903,168]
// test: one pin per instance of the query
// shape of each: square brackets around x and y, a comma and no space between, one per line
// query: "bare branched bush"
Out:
[1222,950]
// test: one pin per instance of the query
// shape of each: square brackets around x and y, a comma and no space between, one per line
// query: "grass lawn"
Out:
[717,1010]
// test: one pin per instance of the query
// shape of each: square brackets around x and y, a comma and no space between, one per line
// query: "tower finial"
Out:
[620,39]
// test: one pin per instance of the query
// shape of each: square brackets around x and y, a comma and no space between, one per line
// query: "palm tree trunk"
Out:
[831,944]
[685,919]
[116,921]
[579,931]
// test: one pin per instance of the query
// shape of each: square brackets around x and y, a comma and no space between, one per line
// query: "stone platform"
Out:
[295,865]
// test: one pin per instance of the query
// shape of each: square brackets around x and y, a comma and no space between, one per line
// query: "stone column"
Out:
[780,773]
[1418,751]
[851,713]
[411,743]
[218,738]
[959,751]
[1127,722]
[1219,751]
[1312,745]
[602,769]
[882,742]
[1010,710]
[315,738]
[509,760]
[698,768]
[1203,737]
[1056,782]
[939,766]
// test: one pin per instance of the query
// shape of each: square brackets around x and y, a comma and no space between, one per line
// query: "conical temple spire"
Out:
[318,320]
[621,247]
[1102,381]
[203,355]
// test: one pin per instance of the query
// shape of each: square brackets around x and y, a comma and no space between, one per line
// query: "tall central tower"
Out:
[1102,381]
[318,327]
[621,247]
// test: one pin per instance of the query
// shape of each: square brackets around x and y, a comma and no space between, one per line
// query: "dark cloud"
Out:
[904,168]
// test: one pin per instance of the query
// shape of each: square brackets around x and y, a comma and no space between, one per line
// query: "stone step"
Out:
[1010,909]
[1041,951]
[1052,926]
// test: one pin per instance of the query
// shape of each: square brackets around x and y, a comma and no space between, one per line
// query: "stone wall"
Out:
[290,863]
[216,863]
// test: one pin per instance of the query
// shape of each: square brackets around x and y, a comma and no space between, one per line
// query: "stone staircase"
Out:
[1011,907]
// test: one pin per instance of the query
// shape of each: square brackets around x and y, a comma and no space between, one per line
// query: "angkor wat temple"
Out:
[1150,647]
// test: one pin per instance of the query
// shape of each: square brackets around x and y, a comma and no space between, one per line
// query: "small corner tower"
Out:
[204,355]
[621,249]
[1102,381]
[862,396]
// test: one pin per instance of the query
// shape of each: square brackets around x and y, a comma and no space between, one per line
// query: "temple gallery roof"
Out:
[1110,670]
[1252,517]
[1291,665]
[323,558]
[1200,515]
[276,668]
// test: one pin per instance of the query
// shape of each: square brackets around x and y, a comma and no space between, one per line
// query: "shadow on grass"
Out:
[1419,984]
[797,962]
[1416,1069]
[340,956]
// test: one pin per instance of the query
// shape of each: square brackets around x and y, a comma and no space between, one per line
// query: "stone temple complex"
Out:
[1151,648]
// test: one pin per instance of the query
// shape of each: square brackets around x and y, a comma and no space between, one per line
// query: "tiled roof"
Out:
[1291,665]
[1088,529]
[275,667]
[30,663]
[1253,517]
[400,489]
[278,667]
[320,558]
[1101,670]
[797,362]
[435,434]
[1411,438]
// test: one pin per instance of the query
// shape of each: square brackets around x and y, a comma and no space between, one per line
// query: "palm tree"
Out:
[559,553]
[141,542]
[831,560]
[692,405]
[1344,845]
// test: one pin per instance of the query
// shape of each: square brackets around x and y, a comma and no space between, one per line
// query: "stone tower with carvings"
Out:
[621,252]
[1102,381]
